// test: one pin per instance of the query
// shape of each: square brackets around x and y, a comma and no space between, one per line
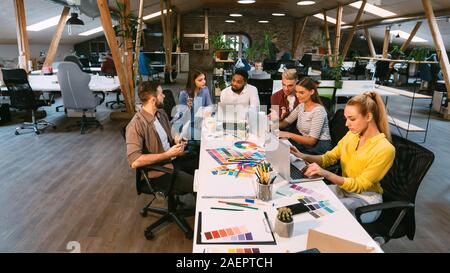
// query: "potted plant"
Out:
[317,42]
[259,49]
[396,53]
[334,72]
[418,54]
[284,224]
[221,45]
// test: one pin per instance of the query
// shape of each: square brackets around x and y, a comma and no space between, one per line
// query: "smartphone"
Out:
[298,208]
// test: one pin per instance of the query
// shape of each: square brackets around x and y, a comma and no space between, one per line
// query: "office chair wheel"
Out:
[143,212]
[37,132]
[16,133]
[149,235]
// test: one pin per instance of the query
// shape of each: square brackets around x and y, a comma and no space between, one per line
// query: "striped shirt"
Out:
[313,124]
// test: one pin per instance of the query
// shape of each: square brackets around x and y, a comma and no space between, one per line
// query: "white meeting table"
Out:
[341,223]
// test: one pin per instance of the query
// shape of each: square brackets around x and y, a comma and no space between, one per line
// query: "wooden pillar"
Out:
[408,41]
[294,38]
[353,29]
[386,41]
[110,35]
[167,33]
[138,38]
[299,36]
[340,8]
[178,33]
[373,53]
[206,30]
[438,43]
[128,48]
[411,36]
[22,36]
[56,38]
[327,38]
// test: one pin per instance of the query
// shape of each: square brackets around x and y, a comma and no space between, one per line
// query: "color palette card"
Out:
[233,250]
[242,227]
[320,209]
[317,208]
[226,155]
[296,189]
[237,170]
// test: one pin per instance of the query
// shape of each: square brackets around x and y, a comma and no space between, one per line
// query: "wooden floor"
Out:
[61,186]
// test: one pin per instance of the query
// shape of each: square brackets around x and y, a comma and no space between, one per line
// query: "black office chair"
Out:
[328,100]
[169,102]
[265,88]
[146,185]
[337,127]
[22,97]
[400,186]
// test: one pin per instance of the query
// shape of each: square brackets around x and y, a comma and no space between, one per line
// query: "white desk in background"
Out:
[50,83]
[351,88]
[340,223]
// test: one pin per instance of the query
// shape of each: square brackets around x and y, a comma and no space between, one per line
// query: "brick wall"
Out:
[248,24]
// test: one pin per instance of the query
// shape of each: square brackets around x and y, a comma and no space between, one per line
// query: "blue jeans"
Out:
[321,147]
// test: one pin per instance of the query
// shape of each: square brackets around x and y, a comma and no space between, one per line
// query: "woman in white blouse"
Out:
[312,121]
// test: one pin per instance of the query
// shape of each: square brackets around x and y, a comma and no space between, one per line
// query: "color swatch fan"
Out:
[245,145]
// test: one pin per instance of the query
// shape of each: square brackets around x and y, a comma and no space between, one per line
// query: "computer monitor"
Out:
[270,65]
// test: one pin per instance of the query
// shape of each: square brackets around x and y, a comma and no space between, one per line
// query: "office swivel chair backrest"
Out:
[337,126]
[75,90]
[143,64]
[328,96]
[22,96]
[401,183]
[169,102]
[75,60]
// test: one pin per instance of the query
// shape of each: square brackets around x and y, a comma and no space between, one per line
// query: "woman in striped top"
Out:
[312,121]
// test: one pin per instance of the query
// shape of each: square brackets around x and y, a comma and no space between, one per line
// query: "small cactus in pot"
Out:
[284,224]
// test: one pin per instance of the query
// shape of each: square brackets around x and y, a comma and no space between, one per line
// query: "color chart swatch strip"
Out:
[316,208]
[231,234]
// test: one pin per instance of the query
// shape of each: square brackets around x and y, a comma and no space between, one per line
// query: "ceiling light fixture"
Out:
[230,21]
[153,15]
[92,31]
[73,21]
[235,15]
[306,3]
[278,14]
[374,9]
[263,21]
[53,21]
[246,1]
[329,19]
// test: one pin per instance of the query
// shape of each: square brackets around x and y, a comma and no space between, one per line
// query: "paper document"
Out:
[234,227]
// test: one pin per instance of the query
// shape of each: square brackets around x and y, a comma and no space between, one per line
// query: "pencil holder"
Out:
[263,191]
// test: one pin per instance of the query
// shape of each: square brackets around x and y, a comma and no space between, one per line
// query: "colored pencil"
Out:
[228,203]
[242,206]
[217,208]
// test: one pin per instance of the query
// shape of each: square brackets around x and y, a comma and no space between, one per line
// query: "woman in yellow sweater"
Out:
[365,155]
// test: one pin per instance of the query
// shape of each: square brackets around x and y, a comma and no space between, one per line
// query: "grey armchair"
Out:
[76,94]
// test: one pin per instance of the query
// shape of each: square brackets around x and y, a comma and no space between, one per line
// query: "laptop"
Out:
[287,165]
